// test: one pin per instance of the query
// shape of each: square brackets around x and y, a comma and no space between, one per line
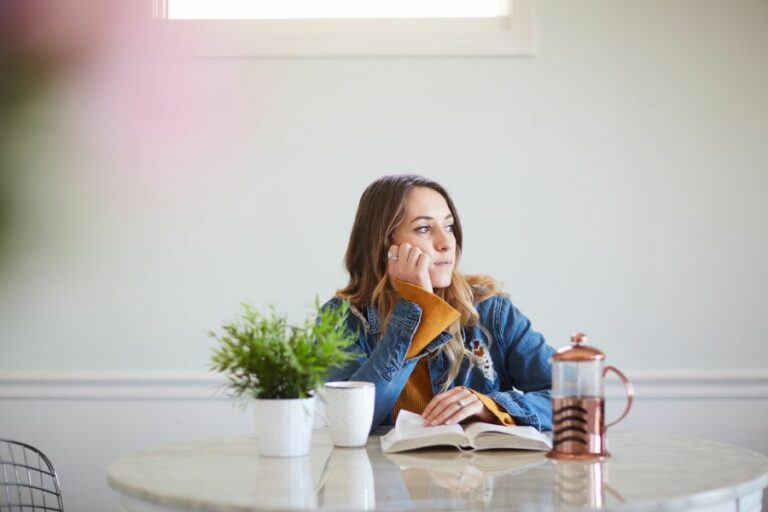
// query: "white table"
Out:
[646,472]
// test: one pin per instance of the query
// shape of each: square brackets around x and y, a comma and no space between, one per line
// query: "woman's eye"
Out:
[422,229]
[450,228]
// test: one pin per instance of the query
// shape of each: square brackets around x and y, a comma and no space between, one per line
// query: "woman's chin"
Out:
[441,281]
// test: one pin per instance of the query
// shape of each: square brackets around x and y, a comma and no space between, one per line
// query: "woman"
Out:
[448,346]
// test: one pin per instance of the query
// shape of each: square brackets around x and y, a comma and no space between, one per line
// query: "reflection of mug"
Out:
[349,411]
[348,481]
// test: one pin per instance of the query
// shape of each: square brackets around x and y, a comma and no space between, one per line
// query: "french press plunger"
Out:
[578,402]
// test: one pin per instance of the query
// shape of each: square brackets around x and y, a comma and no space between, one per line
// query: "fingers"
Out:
[423,263]
[392,253]
[438,400]
[396,261]
[409,264]
[451,407]
[408,256]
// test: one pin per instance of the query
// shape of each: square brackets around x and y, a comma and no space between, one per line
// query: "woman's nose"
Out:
[443,242]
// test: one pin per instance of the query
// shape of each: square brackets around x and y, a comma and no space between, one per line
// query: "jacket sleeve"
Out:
[526,394]
[384,362]
[501,414]
[437,315]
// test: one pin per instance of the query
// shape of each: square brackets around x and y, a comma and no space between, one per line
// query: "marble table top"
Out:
[647,471]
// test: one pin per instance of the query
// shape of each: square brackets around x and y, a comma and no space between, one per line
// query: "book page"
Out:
[410,433]
[488,435]
[411,425]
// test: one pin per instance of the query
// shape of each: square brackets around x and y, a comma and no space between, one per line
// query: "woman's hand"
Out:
[455,405]
[410,264]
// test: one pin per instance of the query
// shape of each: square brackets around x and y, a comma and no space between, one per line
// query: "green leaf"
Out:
[265,357]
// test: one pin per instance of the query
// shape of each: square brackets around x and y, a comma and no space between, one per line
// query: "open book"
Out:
[410,433]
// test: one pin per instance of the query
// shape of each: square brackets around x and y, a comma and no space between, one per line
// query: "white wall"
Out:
[614,182]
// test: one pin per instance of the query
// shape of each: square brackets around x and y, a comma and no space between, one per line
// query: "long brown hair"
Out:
[380,211]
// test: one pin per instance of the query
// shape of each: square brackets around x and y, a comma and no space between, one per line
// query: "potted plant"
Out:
[278,366]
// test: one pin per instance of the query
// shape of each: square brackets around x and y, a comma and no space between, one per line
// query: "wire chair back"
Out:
[28,482]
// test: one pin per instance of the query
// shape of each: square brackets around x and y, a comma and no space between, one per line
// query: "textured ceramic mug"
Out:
[349,411]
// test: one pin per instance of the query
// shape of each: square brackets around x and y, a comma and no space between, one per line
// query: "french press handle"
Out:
[627,387]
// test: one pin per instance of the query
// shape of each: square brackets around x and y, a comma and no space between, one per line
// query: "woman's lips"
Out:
[444,263]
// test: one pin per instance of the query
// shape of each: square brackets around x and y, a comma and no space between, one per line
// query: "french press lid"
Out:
[579,352]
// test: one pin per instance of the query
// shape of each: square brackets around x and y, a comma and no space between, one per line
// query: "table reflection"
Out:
[650,470]
[459,476]
[347,480]
[583,484]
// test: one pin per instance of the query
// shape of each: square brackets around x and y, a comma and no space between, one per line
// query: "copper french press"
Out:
[578,402]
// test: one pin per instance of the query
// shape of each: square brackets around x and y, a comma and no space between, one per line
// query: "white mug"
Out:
[349,411]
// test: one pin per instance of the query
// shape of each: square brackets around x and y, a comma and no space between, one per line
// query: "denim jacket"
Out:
[512,367]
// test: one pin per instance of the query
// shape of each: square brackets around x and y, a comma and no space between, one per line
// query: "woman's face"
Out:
[428,225]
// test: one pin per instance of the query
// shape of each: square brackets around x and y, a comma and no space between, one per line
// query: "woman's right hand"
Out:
[410,264]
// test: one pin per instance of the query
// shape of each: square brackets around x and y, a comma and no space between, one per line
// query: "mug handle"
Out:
[627,387]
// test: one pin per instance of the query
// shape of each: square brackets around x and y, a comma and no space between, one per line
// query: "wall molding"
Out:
[112,385]
[737,384]
[179,385]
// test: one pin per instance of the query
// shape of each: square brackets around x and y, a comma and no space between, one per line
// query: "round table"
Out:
[647,471]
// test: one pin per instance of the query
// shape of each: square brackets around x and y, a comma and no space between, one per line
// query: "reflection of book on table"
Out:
[461,462]
[410,433]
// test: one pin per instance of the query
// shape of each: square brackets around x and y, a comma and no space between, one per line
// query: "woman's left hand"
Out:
[455,405]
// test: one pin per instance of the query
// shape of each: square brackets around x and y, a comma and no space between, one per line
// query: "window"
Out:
[333,9]
[347,28]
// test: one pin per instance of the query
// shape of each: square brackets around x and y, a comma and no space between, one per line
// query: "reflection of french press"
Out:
[578,402]
[583,483]
[580,483]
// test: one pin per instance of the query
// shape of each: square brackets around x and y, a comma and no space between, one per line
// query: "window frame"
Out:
[510,35]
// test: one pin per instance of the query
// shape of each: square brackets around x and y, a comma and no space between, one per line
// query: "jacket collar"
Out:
[373,319]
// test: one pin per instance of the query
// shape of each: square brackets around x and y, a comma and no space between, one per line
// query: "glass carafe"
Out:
[578,402]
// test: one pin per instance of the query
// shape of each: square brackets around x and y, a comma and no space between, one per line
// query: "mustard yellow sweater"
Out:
[436,316]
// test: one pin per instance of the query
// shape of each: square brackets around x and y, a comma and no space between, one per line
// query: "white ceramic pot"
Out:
[284,425]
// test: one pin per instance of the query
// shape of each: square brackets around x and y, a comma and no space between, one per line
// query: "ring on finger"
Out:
[393,257]
[460,403]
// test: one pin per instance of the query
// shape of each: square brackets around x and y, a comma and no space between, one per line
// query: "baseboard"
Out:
[736,384]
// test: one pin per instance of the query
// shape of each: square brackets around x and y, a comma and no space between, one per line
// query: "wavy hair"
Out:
[380,211]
